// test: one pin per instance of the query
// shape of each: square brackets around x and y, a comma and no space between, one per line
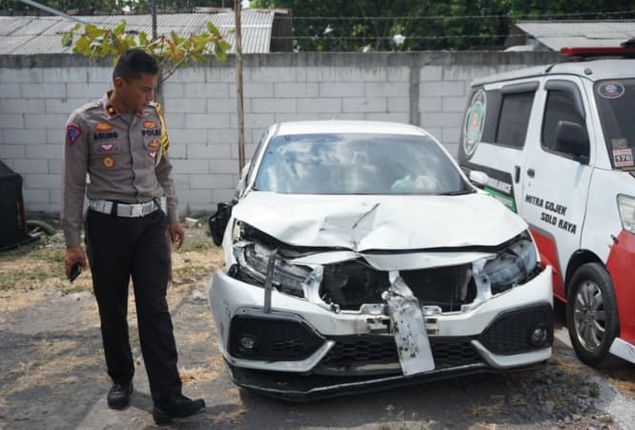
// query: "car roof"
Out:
[346,126]
[595,70]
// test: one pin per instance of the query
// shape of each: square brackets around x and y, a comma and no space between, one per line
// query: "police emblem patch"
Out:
[72,133]
[108,161]
[103,126]
[154,144]
[150,124]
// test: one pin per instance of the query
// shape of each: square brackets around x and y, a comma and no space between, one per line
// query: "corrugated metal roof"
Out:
[557,35]
[26,35]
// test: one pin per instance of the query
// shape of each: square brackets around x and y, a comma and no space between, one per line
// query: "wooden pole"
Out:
[239,89]
[154,19]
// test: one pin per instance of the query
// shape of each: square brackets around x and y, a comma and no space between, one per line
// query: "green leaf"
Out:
[82,45]
[220,53]
[143,39]
[67,40]
[119,28]
[224,45]
[175,37]
[92,31]
[198,57]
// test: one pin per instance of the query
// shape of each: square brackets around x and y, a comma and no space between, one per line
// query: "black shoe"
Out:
[176,407]
[119,395]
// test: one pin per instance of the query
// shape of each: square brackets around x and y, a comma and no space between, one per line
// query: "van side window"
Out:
[514,119]
[560,107]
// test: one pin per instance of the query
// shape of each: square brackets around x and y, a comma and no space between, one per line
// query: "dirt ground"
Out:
[52,372]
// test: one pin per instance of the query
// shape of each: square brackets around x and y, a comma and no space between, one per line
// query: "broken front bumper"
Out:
[300,350]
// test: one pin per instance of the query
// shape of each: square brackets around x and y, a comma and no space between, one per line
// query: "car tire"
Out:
[592,317]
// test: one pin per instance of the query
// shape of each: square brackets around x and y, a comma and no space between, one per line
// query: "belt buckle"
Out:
[136,210]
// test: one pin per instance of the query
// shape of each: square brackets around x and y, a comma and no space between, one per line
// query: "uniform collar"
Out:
[110,109]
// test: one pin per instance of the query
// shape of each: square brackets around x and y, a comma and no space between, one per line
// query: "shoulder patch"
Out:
[72,133]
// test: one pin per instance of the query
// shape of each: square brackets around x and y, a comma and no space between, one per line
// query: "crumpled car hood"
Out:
[361,223]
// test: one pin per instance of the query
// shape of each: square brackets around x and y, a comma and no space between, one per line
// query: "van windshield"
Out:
[616,102]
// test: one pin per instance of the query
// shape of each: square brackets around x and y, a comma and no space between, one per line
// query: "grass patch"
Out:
[197,245]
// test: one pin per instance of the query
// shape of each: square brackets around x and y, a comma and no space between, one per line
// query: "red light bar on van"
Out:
[624,51]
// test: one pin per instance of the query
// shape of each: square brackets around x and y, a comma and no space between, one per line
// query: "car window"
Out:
[357,164]
[560,106]
[616,102]
[514,119]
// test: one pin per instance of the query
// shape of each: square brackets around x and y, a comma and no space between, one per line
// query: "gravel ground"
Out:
[52,373]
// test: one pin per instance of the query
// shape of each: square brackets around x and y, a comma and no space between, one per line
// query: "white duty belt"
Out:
[127,210]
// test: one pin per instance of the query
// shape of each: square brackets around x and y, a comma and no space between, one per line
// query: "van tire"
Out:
[592,317]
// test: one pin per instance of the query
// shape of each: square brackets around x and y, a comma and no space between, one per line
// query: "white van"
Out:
[555,144]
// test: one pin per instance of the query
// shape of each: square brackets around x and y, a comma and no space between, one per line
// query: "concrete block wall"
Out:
[428,89]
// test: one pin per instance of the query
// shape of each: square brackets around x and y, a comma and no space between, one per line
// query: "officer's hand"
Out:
[177,234]
[73,255]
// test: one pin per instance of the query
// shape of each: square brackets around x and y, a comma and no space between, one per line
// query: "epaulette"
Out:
[91,105]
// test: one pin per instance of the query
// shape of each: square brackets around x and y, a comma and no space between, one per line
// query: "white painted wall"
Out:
[430,89]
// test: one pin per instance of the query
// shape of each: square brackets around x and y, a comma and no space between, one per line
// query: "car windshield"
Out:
[357,164]
[616,103]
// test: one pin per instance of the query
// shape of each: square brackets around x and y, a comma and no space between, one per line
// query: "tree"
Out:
[355,25]
[171,51]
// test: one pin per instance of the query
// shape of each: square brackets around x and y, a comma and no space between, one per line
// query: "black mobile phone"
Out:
[76,269]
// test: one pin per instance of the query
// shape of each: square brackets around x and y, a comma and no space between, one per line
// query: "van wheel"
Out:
[592,317]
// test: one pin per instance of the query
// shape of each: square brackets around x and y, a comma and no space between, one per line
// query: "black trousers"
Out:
[120,248]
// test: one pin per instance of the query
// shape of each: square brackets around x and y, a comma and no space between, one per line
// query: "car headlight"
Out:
[626,206]
[252,252]
[516,264]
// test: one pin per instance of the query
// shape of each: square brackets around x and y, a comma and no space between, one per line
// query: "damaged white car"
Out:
[358,256]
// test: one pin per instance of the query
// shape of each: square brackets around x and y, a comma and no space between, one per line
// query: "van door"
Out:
[556,173]
[493,137]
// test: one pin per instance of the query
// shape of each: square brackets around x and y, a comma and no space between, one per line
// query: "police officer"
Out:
[121,142]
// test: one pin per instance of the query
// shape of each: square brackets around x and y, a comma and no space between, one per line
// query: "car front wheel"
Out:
[592,317]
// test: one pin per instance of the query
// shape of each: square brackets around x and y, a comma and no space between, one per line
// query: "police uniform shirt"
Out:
[125,155]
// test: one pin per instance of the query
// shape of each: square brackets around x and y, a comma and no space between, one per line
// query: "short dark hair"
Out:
[133,63]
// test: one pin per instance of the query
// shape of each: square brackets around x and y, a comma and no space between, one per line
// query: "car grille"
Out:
[351,353]
[353,283]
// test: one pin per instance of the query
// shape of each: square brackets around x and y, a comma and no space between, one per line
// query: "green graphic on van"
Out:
[505,199]
[474,122]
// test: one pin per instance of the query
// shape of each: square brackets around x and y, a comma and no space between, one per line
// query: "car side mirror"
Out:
[572,138]
[217,222]
[478,178]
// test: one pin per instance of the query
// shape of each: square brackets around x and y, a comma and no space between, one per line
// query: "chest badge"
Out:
[106,146]
[103,126]
[150,124]
[154,144]
[152,154]
[108,162]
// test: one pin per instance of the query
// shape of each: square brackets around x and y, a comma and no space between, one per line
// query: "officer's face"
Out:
[136,94]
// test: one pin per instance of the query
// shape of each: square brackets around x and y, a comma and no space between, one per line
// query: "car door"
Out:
[555,176]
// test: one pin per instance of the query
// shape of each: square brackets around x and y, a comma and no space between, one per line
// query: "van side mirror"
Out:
[572,138]
[479,178]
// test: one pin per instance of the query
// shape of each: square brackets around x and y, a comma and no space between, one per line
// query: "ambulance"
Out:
[555,144]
